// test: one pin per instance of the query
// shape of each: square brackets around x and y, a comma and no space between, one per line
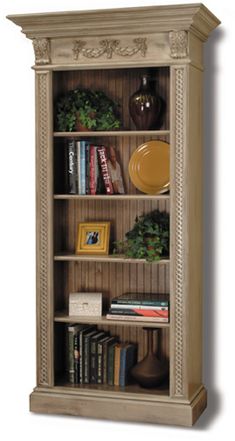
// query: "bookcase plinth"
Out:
[162,410]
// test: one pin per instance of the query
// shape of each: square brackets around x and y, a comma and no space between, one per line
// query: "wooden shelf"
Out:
[63,317]
[67,257]
[112,133]
[135,389]
[118,197]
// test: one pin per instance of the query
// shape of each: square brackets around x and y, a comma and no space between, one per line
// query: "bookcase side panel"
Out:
[194,245]
[44,201]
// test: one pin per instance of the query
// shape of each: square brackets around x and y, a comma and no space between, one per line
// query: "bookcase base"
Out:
[169,411]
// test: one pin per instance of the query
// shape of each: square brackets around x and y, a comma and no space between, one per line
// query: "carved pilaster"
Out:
[109,48]
[178,44]
[44,227]
[42,50]
[178,227]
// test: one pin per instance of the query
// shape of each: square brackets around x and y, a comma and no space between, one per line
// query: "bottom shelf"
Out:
[162,390]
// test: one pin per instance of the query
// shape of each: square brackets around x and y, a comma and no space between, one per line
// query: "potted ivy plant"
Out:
[84,110]
[148,239]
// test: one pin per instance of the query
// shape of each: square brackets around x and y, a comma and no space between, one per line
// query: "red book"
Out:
[102,155]
[92,170]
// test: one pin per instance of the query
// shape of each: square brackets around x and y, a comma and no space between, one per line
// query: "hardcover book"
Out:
[117,357]
[72,330]
[82,171]
[106,345]
[102,155]
[111,352]
[94,356]
[85,331]
[87,353]
[128,359]
[100,359]
[142,299]
[71,166]
[161,313]
[137,318]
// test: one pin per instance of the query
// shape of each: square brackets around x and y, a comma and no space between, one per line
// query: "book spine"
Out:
[122,373]
[111,365]
[138,307]
[87,160]
[141,312]
[78,167]
[104,169]
[105,364]
[71,369]
[82,168]
[76,359]
[81,350]
[140,302]
[93,362]
[71,167]
[117,365]
[99,363]
[137,318]
[92,178]
[86,360]
[96,164]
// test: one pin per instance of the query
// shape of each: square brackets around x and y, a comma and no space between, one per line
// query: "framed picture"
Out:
[93,238]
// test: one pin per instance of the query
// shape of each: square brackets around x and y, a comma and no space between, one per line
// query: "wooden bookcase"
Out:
[77,48]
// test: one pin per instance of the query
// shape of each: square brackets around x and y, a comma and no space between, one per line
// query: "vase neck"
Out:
[150,341]
[144,82]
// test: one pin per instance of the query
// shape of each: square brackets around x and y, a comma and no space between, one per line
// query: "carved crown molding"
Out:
[109,47]
[42,50]
[178,44]
[195,18]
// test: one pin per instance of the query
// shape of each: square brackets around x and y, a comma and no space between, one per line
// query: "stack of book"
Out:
[95,357]
[87,169]
[140,307]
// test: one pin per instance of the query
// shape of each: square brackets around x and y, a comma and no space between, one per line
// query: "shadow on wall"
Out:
[209,252]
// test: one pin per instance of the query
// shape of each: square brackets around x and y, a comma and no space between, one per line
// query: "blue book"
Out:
[82,174]
[128,359]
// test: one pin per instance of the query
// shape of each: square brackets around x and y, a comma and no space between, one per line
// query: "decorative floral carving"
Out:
[42,50]
[178,44]
[109,47]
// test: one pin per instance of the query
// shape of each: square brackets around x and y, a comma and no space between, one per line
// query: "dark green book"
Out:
[72,330]
[106,345]
[141,299]
[94,356]
[86,330]
[87,354]
[100,359]
[111,352]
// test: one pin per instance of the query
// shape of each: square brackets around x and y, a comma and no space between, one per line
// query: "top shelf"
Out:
[112,133]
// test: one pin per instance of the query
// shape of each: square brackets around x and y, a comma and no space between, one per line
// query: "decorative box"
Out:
[85,304]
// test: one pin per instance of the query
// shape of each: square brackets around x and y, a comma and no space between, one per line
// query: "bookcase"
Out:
[109,50]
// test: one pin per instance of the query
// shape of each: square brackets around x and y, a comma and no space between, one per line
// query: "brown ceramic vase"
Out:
[150,372]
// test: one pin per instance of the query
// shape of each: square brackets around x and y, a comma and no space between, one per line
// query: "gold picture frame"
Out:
[93,238]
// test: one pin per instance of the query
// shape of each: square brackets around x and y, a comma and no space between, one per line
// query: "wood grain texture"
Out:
[129,409]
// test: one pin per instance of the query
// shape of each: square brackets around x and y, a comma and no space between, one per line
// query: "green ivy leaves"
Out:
[148,239]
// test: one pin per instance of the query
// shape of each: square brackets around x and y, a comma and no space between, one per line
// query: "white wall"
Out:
[17,333]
